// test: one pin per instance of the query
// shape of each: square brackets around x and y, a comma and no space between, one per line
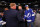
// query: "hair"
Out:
[6,7]
[19,5]
[12,4]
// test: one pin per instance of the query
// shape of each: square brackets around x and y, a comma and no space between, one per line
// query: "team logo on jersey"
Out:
[28,15]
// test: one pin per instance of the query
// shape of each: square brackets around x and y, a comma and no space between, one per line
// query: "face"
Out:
[26,7]
[34,11]
[2,14]
[13,7]
[6,8]
[19,7]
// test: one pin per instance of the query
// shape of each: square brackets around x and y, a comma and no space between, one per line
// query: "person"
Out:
[39,11]
[3,18]
[37,20]
[2,23]
[0,20]
[1,9]
[35,12]
[13,17]
[29,16]
[21,12]
[6,9]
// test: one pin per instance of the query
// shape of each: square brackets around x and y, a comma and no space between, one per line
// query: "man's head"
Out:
[6,9]
[1,13]
[12,5]
[27,7]
[34,10]
[39,9]
[20,7]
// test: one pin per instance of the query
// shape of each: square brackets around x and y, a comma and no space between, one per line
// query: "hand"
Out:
[23,19]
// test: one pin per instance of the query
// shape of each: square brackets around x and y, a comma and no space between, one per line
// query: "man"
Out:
[29,16]
[0,20]
[21,12]
[12,16]
[35,12]
[37,20]
[39,11]
[5,9]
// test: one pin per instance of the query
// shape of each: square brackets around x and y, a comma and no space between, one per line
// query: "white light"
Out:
[5,4]
[35,5]
[29,3]
[24,3]
[36,1]
[18,3]
[2,1]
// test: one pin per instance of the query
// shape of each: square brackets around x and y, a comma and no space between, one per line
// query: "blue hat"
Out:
[26,5]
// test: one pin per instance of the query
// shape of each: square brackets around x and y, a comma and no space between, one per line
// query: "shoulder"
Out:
[25,10]
[6,11]
[30,9]
[16,11]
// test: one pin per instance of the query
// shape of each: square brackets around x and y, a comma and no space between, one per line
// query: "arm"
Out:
[4,19]
[19,17]
[25,15]
[33,16]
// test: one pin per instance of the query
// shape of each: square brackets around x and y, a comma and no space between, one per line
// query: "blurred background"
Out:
[34,4]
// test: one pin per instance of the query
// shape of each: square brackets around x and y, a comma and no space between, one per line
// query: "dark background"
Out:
[34,4]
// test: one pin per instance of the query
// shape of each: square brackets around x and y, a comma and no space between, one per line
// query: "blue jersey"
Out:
[29,15]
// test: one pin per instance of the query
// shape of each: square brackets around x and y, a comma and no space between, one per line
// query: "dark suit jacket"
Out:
[12,18]
[21,12]
[21,24]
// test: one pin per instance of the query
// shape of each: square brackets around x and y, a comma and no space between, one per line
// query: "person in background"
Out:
[6,9]
[12,16]
[37,20]
[35,12]
[2,23]
[39,11]
[29,16]
[21,12]
[3,18]
[1,9]
[0,20]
